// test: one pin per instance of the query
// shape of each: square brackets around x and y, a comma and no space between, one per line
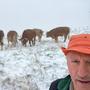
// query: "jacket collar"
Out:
[64,83]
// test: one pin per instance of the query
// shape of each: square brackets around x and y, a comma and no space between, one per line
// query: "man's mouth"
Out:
[84,81]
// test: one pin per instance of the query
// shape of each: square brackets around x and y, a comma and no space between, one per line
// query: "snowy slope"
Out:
[41,63]
[32,68]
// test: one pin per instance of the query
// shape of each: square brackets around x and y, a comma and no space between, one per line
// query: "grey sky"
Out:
[44,14]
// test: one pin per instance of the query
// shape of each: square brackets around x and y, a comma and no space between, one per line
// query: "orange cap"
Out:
[79,43]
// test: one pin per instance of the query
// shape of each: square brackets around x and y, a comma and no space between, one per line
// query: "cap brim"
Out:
[79,49]
[64,50]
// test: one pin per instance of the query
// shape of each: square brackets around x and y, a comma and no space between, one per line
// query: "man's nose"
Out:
[82,70]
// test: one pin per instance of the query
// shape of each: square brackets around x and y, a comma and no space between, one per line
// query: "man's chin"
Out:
[82,85]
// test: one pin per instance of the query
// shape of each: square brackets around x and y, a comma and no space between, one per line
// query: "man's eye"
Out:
[75,61]
[88,62]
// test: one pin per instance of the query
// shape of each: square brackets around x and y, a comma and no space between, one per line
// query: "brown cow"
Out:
[59,31]
[39,33]
[28,35]
[12,37]
[1,38]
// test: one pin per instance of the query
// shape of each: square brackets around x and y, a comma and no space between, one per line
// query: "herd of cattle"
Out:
[29,35]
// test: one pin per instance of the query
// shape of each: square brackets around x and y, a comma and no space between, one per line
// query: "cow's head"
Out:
[48,34]
[24,41]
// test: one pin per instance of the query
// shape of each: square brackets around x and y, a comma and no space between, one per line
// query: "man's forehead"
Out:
[74,54]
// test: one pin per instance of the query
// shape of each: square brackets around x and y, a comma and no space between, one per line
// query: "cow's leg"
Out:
[1,45]
[34,40]
[24,41]
[15,42]
[56,39]
[40,38]
[12,44]
[8,43]
[30,43]
[24,44]
[65,37]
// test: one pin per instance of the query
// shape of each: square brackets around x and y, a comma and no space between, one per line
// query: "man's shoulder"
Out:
[54,84]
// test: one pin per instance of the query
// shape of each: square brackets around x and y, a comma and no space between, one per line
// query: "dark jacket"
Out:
[61,84]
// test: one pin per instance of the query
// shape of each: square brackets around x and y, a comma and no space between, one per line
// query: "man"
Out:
[78,61]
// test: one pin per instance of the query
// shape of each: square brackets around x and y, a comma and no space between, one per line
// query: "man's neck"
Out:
[71,86]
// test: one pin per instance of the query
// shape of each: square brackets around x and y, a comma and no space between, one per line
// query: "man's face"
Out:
[79,68]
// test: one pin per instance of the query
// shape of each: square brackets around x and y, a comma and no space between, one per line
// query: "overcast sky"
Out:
[44,14]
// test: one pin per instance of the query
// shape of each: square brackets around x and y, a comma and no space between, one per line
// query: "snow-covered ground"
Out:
[32,68]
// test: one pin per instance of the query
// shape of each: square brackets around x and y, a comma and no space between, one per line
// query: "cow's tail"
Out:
[68,36]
